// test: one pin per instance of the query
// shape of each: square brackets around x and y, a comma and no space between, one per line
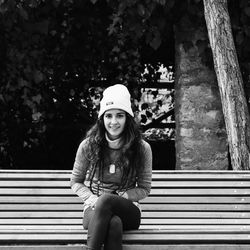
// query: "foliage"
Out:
[240,19]
[46,70]
[53,51]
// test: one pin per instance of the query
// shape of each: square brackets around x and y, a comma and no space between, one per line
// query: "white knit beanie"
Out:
[116,97]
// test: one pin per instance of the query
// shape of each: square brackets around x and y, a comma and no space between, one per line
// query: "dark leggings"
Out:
[105,224]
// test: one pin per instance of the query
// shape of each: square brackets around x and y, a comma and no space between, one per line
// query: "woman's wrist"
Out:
[123,194]
[91,201]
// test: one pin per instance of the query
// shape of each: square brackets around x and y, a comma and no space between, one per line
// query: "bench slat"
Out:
[146,214]
[144,221]
[180,191]
[150,199]
[156,177]
[146,207]
[165,184]
[157,174]
[145,227]
[157,237]
[136,247]
[141,231]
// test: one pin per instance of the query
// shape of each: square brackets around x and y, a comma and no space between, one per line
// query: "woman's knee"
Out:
[115,226]
[104,201]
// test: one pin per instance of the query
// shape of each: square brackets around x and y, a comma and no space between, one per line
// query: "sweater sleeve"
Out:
[79,173]
[144,177]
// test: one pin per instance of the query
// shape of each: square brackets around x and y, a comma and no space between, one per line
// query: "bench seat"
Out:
[185,210]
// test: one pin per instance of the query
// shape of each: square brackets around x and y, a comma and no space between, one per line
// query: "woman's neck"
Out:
[114,144]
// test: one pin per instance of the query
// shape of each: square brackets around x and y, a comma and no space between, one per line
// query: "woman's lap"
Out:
[128,212]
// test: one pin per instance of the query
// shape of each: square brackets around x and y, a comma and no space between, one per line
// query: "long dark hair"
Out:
[131,150]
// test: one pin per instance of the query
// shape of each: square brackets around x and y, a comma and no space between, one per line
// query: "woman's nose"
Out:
[113,120]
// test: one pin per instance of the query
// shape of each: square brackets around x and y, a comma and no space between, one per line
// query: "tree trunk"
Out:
[230,82]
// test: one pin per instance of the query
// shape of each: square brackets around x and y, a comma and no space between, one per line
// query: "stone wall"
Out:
[201,139]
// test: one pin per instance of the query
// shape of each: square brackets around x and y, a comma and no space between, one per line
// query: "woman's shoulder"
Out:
[84,143]
[145,145]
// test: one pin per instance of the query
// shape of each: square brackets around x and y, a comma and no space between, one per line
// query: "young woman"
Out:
[112,172]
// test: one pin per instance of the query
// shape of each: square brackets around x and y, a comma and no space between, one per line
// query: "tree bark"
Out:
[230,82]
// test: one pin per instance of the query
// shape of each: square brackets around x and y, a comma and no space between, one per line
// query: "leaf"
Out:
[37,98]
[247,31]
[156,41]
[141,10]
[202,45]
[29,103]
[2,98]
[56,3]
[36,116]
[239,38]
[38,76]
[138,28]
[23,83]
[3,7]
[116,49]
[187,45]
[33,3]
[161,2]
[39,27]
[247,11]
[53,32]
[23,13]
[42,27]
[169,4]
[123,56]
[72,92]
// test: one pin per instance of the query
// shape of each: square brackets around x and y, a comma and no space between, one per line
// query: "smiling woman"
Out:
[112,172]
[114,122]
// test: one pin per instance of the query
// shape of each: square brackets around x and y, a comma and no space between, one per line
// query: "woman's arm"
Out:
[144,177]
[78,175]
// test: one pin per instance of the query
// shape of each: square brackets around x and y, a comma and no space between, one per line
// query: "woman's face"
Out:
[114,122]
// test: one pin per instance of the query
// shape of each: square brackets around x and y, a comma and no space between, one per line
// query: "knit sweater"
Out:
[137,188]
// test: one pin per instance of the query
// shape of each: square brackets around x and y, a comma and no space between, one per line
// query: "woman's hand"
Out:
[123,194]
[91,201]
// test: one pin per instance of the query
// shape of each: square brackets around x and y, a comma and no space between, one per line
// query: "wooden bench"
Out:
[186,210]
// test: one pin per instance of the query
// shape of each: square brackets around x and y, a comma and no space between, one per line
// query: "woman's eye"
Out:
[117,116]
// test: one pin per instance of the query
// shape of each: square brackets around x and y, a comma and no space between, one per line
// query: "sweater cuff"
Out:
[124,195]
[91,201]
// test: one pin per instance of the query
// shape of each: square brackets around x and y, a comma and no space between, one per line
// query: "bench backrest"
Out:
[179,200]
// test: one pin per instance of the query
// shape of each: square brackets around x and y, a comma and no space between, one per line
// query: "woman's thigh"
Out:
[87,216]
[128,212]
